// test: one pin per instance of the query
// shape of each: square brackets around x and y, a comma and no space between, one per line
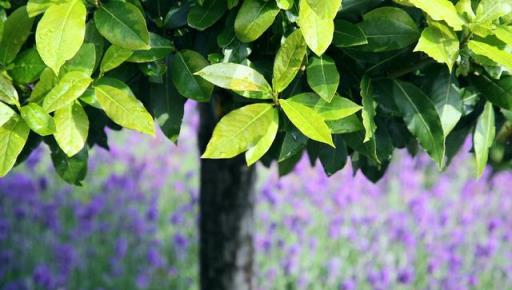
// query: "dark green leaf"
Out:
[254,17]
[183,66]
[422,119]
[16,30]
[122,24]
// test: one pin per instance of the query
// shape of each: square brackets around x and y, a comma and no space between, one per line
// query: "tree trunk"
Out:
[226,216]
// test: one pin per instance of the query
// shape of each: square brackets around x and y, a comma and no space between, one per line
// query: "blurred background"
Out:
[133,224]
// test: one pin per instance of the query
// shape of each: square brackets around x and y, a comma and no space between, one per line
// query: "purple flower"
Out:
[154,258]
[405,276]
[180,242]
[43,277]
[142,281]
[348,284]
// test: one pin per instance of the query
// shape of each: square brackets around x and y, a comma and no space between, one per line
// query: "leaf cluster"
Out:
[328,78]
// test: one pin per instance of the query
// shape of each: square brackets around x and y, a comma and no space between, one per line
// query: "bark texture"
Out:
[226,216]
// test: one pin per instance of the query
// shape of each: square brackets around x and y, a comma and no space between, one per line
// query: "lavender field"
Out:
[133,225]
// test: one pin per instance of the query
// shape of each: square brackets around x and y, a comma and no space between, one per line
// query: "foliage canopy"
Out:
[332,78]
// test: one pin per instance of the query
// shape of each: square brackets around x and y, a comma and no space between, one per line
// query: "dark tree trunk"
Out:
[226,216]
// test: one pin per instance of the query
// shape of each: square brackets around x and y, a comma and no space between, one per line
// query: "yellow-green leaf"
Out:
[497,55]
[13,136]
[121,105]
[318,32]
[235,77]
[440,42]
[307,120]
[257,151]
[288,60]
[69,88]
[60,33]
[38,119]
[72,126]
[240,130]
[483,137]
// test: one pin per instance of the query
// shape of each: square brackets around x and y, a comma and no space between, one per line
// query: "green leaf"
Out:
[235,77]
[120,105]
[439,42]
[92,35]
[84,61]
[263,145]
[464,8]
[254,18]
[13,136]
[72,126]
[333,159]
[338,108]
[8,93]
[232,4]
[447,99]
[183,66]
[240,130]
[440,10]
[60,33]
[347,34]
[497,55]
[285,4]
[3,18]
[36,7]
[28,66]
[16,30]
[38,119]
[6,113]
[499,92]
[69,88]
[369,112]
[294,141]
[307,120]
[47,80]
[160,48]
[318,32]
[168,106]
[421,118]
[72,170]
[504,33]
[114,57]
[490,10]
[348,124]
[356,142]
[388,28]
[483,138]
[123,25]
[288,60]
[323,76]
[203,16]
[325,8]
